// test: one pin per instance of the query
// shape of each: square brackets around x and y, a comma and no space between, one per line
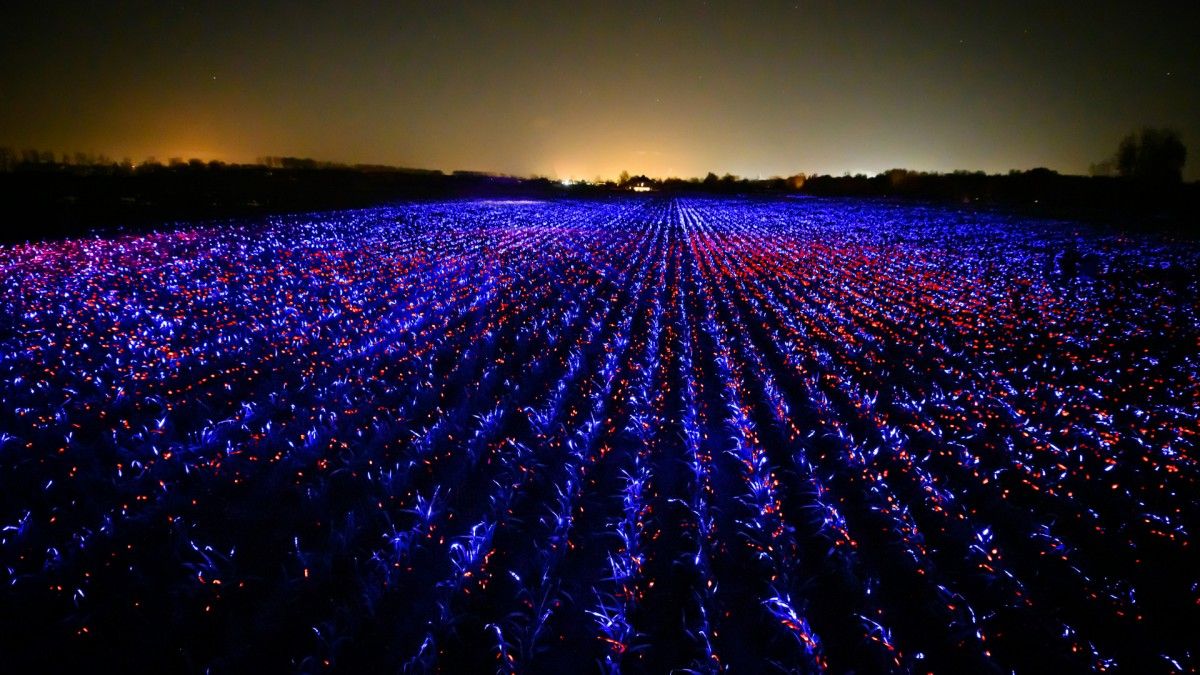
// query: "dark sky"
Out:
[576,90]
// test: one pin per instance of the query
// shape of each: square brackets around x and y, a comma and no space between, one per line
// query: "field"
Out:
[628,435]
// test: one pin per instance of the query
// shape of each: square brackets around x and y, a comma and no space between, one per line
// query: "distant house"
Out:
[641,184]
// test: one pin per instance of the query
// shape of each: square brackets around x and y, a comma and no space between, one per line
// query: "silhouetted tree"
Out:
[1154,155]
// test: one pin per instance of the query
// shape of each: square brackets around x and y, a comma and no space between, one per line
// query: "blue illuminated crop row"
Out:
[638,435]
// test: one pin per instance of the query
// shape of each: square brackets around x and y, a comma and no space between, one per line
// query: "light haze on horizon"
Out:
[575,91]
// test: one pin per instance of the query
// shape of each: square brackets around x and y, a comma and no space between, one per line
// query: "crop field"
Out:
[630,435]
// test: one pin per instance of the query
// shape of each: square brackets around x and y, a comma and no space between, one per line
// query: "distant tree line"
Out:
[31,159]
[1151,156]
[12,159]
[711,183]
[1141,184]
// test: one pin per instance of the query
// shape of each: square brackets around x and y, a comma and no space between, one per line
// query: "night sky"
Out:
[579,90]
